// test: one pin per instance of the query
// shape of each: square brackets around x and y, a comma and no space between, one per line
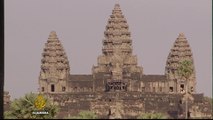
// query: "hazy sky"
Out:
[80,25]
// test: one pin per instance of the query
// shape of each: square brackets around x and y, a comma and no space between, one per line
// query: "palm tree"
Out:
[83,115]
[24,107]
[185,70]
[152,116]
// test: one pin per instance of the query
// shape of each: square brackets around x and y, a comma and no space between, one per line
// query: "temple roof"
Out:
[80,77]
[90,77]
[153,78]
[80,81]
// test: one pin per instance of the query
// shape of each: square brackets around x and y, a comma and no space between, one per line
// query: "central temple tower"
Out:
[117,60]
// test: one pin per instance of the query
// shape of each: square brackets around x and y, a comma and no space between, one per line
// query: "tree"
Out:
[152,116]
[24,107]
[185,70]
[83,115]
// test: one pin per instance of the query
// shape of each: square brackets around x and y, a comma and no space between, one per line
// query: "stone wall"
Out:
[131,104]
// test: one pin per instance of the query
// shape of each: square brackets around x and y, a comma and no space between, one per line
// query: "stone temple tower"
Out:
[179,52]
[117,47]
[55,68]
[117,59]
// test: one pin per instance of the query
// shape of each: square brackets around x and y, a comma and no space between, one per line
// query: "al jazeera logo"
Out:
[39,104]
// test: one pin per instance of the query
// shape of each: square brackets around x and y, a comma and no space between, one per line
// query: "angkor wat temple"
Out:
[117,86]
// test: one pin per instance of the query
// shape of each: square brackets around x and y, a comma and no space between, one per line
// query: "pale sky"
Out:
[80,25]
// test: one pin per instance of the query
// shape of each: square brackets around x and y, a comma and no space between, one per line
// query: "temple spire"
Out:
[53,36]
[117,35]
[53,33]
[117,45]
[181,35]
[117,7]
[179,52]
[54,64]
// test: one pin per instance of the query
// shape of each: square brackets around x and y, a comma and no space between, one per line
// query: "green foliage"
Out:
[83,115]
[152,116]
[23,108]
[185,69]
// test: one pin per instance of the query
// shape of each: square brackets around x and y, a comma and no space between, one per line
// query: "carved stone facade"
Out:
[117,87]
